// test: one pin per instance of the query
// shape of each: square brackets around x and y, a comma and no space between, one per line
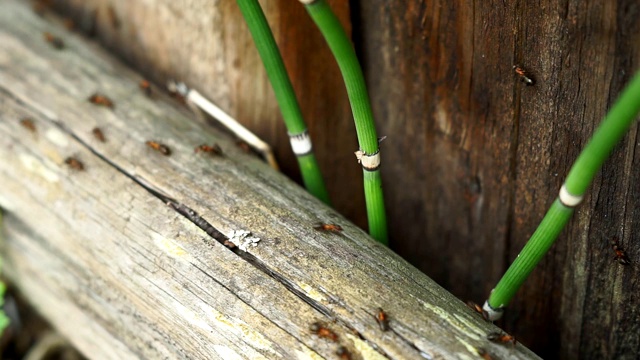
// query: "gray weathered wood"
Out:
[198,41]
[123,275]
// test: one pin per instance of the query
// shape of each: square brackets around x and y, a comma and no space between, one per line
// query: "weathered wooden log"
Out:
[474,157]
[104,239]
[202,40]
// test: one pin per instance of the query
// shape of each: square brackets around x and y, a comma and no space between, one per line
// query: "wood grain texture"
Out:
[208,45]
[483,156]
[123,275]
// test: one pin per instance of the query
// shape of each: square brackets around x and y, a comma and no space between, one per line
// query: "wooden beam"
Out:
[101,255]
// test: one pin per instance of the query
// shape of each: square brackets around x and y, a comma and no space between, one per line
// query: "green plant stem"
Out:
[608,134]
[4,319]
[537,246]
[345,55]
[277,73]
[375,205]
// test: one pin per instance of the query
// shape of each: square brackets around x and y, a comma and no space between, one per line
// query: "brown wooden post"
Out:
[475,157]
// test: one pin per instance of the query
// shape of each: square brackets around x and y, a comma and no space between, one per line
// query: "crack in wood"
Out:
[200,222]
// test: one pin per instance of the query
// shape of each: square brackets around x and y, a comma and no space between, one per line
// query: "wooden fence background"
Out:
[473,157]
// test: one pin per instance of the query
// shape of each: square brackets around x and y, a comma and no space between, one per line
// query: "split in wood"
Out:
[243,239]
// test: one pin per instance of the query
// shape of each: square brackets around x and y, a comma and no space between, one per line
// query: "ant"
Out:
[74,163]
[229,244]
[163,149]
[328,227]
[343,353]
[28,124]
[98,134]
[214,149]
[477,308]
[244,146]
[322,331]
[55,41]
[484,354]
[501,338]
[102,100]
[146,87]
[621,255]
[383,320]
[524,75]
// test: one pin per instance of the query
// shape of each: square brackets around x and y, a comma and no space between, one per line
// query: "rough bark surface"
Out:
[484,156]
[123,275]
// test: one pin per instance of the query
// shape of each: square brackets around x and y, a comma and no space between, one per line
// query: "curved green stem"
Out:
[277,73]
[608,134]
[537,246]
[347,60]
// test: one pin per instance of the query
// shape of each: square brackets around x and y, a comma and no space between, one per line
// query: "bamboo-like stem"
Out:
[291,113]
[4,319]
[608,134]
[347,60]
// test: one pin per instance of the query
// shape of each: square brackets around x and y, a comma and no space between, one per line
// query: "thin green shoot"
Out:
[291,113]
[4,319]
[368,154]
[607,135]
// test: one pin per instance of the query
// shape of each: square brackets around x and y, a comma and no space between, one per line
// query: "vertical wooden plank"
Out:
[443,93]
[323,98]
[479,156]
